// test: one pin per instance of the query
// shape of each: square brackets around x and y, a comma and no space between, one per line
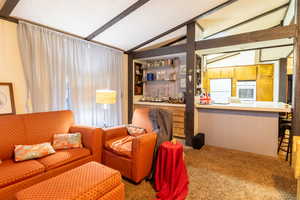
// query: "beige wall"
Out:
[10,63]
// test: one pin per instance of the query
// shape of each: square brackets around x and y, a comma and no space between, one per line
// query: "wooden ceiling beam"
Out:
[280,32]
[222,57]
[249,20]
[200,27]
[250,37]
[10,19]
[116,19]
[160,51]
[209,12]
[250,49]
[287,10]
[175,41]
[8,7]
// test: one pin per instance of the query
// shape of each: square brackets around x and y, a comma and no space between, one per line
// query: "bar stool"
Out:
[285,144]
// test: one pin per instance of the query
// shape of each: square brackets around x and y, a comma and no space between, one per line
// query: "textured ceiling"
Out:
[80,17]
[83,17]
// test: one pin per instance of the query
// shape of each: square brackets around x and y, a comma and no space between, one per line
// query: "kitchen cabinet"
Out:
[263,74]
[214,73]
[265,83]
[245,73]
[227,72]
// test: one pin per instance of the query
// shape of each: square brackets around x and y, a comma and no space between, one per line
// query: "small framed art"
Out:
[7,103]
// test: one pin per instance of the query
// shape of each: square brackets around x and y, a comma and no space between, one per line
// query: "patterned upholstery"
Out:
[63,157]
[29,152]
[11,172]
[67,141]
[90,181]
[38,128]
[117,193]
[136,165]
[109,146]
[12,131]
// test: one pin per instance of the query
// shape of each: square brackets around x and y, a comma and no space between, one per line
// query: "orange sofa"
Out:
[37,128]
[137,165]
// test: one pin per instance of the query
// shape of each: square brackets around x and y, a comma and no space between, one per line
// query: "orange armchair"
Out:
[137,165]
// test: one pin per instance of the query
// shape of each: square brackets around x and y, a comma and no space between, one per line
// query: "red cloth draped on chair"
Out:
[171,179]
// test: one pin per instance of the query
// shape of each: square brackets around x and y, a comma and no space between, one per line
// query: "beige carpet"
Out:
[221,174]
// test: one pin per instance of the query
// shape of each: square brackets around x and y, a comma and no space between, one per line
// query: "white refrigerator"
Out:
[220,90]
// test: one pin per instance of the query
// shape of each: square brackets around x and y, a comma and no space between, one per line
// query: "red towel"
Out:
[171,179]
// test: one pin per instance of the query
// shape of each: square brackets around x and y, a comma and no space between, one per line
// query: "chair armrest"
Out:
[91,138]
[142,154]
[115,132]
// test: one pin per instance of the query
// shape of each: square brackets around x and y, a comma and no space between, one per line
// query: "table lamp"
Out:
[106,97]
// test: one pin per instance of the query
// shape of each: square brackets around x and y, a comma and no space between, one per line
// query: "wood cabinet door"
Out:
[265,83]
[245,73]
[177,114]
[227,72]
[214,73]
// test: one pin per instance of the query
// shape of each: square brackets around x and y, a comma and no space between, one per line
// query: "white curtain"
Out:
[63,72]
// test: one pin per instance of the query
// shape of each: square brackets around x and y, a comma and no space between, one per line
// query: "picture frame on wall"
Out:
[7,102]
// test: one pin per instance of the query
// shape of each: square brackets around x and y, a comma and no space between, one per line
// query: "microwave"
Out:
[246,90]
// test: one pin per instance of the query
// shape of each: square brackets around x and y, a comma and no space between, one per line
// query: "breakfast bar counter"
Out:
[258,106]
[250,127]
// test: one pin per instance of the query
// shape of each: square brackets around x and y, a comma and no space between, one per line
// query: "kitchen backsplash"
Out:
[164,78]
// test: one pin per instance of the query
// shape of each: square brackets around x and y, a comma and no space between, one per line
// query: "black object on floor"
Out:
[198,141]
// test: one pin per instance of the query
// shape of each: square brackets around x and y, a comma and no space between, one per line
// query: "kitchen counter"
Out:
[249,127]
[159,104]
[258,106]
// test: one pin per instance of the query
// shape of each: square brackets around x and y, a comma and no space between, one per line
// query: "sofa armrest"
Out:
[91,138]
[142,153]
[115,132]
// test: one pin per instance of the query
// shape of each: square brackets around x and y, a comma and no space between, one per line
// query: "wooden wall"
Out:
[263,74]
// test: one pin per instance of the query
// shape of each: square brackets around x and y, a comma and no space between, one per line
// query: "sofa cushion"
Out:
[12,132]
[134,130]
[63,157]
[89,181]
[11,172]
[121,146]
[67,141]
[40,127]
[29,152]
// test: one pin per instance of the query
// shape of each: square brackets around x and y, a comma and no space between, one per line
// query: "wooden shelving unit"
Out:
[138,79]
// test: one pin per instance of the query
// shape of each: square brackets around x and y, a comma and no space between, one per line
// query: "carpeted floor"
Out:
[221,174]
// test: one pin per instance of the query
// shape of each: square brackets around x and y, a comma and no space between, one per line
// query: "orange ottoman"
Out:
[91,181]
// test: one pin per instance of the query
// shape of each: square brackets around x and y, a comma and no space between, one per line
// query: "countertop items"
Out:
[262,106]
[159,104]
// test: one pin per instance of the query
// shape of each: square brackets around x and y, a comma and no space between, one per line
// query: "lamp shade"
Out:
[106,96]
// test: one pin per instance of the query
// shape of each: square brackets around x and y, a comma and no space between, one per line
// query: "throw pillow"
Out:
[135,131]
[28,152]
[67,141]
